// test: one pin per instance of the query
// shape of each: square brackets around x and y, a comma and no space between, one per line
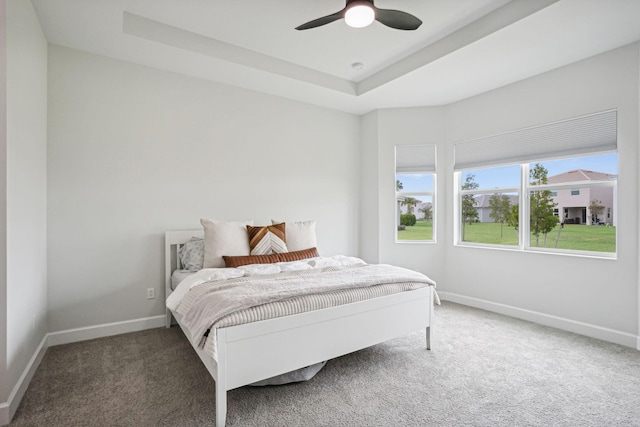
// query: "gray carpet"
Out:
[484,370]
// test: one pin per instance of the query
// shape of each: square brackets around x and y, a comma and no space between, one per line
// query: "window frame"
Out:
[427,165]
[524,228]
[431,194]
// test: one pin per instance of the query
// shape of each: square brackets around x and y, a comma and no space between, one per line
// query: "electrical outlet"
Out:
[151,293]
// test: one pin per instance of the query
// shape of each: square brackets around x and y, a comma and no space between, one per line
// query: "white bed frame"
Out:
[293,342]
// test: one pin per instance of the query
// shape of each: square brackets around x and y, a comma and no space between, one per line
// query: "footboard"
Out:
[288,343]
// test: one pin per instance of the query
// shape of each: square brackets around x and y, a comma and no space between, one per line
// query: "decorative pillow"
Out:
[269,239]
[237,261]
[298,255]
[300,235]
[224,238]
[192,254]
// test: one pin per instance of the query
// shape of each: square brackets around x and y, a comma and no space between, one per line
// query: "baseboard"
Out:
[8,408]
[593,331]
[105,330]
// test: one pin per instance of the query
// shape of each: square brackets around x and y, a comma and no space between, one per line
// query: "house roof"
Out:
[580,175]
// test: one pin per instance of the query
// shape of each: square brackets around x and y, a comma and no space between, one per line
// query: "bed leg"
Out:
[221,379]
[221,405]
[428,337]
[167,322]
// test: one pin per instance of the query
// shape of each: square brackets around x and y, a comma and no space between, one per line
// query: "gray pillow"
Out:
[192,254]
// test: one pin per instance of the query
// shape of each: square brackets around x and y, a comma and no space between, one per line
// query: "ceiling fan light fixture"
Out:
[359,15]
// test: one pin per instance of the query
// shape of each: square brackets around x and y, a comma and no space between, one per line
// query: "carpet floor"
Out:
[485,369]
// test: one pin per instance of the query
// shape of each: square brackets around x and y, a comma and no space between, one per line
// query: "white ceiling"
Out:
[463,48]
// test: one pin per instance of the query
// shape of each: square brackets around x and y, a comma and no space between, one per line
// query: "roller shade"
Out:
[415,158]
[591,134]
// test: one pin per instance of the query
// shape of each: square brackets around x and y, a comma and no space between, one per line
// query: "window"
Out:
[560,195]
[585,226]
[415,193]
[488,199]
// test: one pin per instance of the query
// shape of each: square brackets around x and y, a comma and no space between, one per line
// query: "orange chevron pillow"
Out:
[268,239]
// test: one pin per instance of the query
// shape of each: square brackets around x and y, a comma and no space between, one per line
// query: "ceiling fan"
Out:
[360,13]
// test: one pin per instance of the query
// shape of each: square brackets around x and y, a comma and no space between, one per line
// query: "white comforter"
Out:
[215,298]
[216,274]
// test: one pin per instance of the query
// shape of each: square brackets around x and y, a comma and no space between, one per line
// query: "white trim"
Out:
[8,408]
[593,331]
[105,330]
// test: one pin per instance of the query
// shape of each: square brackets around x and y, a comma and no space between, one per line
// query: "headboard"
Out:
[173,241]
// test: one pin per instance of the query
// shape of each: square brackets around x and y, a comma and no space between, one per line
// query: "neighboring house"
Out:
[484,209]
[417,209]
[573,203]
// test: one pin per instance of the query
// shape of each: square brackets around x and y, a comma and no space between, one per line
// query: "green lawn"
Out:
[572,236]
[421,231]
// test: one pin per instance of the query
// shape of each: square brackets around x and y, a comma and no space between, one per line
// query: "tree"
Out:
[410,203]
[513,219]
[469,211]
[500,209]
[427,212]
[399,185]
[542,219]
[595,207]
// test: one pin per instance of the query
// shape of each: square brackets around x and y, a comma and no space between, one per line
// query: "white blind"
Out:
[415,158]
[590,134]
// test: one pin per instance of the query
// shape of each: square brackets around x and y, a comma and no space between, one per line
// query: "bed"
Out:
[296,341]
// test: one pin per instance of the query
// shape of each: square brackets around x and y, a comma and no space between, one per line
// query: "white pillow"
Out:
[224,238]
[300,235]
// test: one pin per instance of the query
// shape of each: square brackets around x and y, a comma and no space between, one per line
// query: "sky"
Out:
[509,176]
[415,182]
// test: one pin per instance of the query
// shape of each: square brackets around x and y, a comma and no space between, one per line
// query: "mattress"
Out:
[178,276]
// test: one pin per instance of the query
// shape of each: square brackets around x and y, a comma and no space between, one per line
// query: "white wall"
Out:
[135,151]
[4,373]
[600,292]
[369,243]
[638,259]
[403,126]
[26,197]
[594,296]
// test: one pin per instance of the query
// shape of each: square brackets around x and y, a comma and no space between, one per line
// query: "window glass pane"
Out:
[415,217]
[602,167]
[583,226]
[490,218]
[500,177]
[414,182]
[585,215]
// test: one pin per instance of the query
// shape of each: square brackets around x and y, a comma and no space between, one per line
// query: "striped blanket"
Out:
[247,299]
